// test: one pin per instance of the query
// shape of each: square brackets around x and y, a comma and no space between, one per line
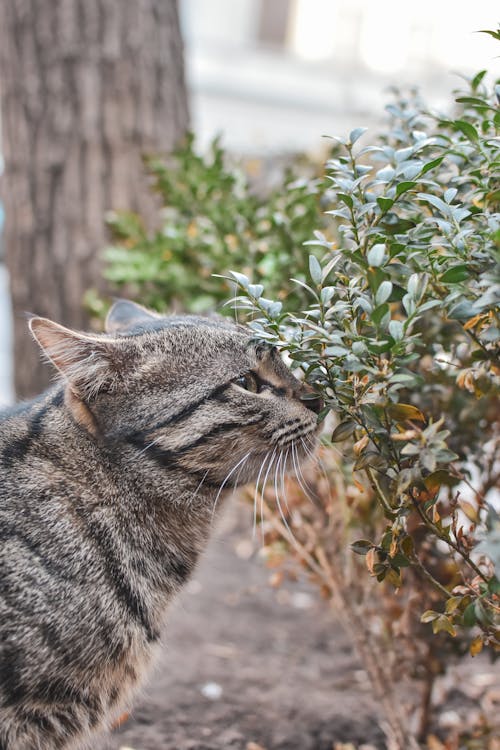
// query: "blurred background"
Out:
[271,77]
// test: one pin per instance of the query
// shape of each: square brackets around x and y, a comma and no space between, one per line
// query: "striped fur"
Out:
[107,490]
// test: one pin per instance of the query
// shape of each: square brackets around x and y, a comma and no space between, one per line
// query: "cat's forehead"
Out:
[192,337]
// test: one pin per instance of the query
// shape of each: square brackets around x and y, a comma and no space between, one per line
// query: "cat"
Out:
[109,484]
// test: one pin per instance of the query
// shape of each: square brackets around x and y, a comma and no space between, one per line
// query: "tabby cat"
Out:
[108,487]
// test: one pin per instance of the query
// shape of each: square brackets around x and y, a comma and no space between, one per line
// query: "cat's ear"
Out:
[88,362]
[125,316]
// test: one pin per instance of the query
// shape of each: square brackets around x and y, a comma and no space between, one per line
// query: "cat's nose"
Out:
[311,400]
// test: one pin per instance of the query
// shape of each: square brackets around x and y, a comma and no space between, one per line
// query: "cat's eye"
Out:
[248,382]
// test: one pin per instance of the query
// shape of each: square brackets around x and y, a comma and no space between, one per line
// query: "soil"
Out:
[249,667]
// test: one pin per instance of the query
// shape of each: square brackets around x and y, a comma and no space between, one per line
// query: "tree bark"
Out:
[87,87]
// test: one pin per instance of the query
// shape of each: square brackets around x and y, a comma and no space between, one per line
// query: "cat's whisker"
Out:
[283,469]
[254,527]
[263,490]
[150,445]
[228,475]
[317,460]
[195,493]
[298,473]
[278,503]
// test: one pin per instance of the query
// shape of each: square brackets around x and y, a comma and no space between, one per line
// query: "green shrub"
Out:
[389,305]
[212,219]
[401,337]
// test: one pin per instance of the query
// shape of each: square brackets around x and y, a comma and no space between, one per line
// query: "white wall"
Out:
[330,75]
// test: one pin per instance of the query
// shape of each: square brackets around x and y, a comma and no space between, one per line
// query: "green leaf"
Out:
[379,313]
[494,585]
[452,604]
[455,274]
[469,616]
[429,616]
[255,290]
[346,198]
[336,351]
[467,129]
[343,431]
[240,278]
[477,79]
[494,34]
[361,546]
[385,203]
[396,330]
[356,134]
[376,255]
[431,164]
[403,187]
[443,624]
[383,292]
[315,269]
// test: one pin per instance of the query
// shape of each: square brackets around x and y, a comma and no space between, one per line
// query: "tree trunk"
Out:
[87,86]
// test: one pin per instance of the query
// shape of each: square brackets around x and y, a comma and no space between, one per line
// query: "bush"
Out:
[212,219]
[401,337]
[394,317]
[401,333]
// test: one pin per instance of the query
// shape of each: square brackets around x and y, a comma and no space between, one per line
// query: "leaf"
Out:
[240,278]
[315,269]
[336,351]
[469,510]
[396,330]
[370,559]
[402,412]
[361,546]
[326,294]
[469,616]
[494,34]
[343,431]
[356,134]
[404,186]
[431,164]
[429,615]
[476,645]
[376,255]
[443,623]
[472,322]
[394,577]
[379,313]
[473,101]
[450,194]
[413,282]
[360,444]
[255,290]
[385,203]
[436,202]
[383,292]
[467,129]
[494,585]
[477,79]
[455,274]
[452,604]
[346,198]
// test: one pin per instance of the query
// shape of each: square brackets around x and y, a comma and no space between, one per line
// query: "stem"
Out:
[430,525]
[378,491]
[398,735]
[439,586]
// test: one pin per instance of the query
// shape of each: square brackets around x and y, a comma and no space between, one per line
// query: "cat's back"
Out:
[25,455]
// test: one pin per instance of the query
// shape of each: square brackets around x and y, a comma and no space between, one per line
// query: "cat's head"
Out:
[184,391]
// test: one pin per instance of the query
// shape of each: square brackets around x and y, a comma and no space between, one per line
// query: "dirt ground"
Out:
[248,667]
